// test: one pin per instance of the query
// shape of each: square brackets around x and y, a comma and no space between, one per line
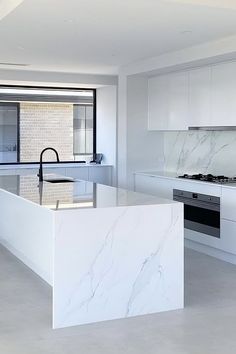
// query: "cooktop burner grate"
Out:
[209,178]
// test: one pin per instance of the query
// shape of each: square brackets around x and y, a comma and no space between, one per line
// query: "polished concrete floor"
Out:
[206,325]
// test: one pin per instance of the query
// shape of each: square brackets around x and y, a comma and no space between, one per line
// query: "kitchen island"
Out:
[108,253]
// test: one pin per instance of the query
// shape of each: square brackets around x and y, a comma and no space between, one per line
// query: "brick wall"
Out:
[46,125]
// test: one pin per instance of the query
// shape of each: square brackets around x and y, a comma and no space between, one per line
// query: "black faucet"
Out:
[40,174]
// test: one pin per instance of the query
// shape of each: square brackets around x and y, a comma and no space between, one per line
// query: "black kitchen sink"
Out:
[59,180]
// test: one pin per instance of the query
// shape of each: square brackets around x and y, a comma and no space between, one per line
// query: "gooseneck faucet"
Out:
[40,174]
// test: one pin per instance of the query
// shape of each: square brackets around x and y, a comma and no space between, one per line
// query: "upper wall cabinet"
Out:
[223,94]
[168,102]
[200,97]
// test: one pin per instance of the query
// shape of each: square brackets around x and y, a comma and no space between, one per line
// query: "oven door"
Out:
[201,216]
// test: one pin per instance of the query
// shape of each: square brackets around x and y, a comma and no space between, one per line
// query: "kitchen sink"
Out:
[59,180]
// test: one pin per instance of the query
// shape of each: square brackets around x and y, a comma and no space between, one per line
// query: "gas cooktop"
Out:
[209,178]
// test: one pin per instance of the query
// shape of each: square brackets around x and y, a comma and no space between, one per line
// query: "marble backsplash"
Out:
[200,152]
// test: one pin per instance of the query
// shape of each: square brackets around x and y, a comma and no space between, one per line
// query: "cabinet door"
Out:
[158,103]
[199,97]
[27,171]
[77,172]
[168,102]
[9,171]
[178,101]
[228,236]
[228,204]
[102,175]
[223,94]
[161,187]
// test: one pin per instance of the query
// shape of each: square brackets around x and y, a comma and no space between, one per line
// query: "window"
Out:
[9,129]
[35,118]
[83,130]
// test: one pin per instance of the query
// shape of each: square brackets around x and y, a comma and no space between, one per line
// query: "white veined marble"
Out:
[117,262]
[121,258]
[200,152]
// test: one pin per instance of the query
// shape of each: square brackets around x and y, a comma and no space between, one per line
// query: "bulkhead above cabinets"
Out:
[199,98]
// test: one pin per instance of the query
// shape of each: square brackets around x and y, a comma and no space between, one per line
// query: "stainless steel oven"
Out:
[201,212]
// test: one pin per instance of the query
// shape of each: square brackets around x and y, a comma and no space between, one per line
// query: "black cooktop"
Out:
[209,178]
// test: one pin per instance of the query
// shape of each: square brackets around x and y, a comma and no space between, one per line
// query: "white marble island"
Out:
[108,253]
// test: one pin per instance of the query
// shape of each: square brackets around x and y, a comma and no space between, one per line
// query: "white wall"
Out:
[144,148]
[106,125]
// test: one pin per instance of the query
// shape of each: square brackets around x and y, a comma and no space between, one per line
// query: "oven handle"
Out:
[196,203]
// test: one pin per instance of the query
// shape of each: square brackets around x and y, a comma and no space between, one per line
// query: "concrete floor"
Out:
[206,325]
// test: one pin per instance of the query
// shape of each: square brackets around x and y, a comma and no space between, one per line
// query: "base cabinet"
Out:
[97,174]
[228,204]
[101,175]
[77,172]
[163,187]
[153,185]
[228,236]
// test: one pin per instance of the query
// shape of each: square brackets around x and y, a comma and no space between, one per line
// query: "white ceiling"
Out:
[98,36]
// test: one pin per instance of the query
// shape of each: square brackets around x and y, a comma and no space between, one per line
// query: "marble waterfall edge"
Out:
[114,263]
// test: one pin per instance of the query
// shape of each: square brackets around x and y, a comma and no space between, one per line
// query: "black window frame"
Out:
[18,121]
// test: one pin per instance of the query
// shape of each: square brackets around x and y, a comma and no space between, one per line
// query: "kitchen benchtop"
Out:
[173,175]
[19,166]
[79,194]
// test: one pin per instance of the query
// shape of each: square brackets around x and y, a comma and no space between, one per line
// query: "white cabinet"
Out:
[228,236]
[223,94]
[7,172]
[158,102]
[100,174]
[160,187]
[97,174]
[27,171]
[77,172]
[200,97]
[168,102]
[228,204]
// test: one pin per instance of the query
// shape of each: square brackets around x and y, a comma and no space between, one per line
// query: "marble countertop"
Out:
[52,165]
[172,175]
[165,174]
[79,194]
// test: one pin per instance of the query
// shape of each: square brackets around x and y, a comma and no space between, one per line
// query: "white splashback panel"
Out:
[200,152]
